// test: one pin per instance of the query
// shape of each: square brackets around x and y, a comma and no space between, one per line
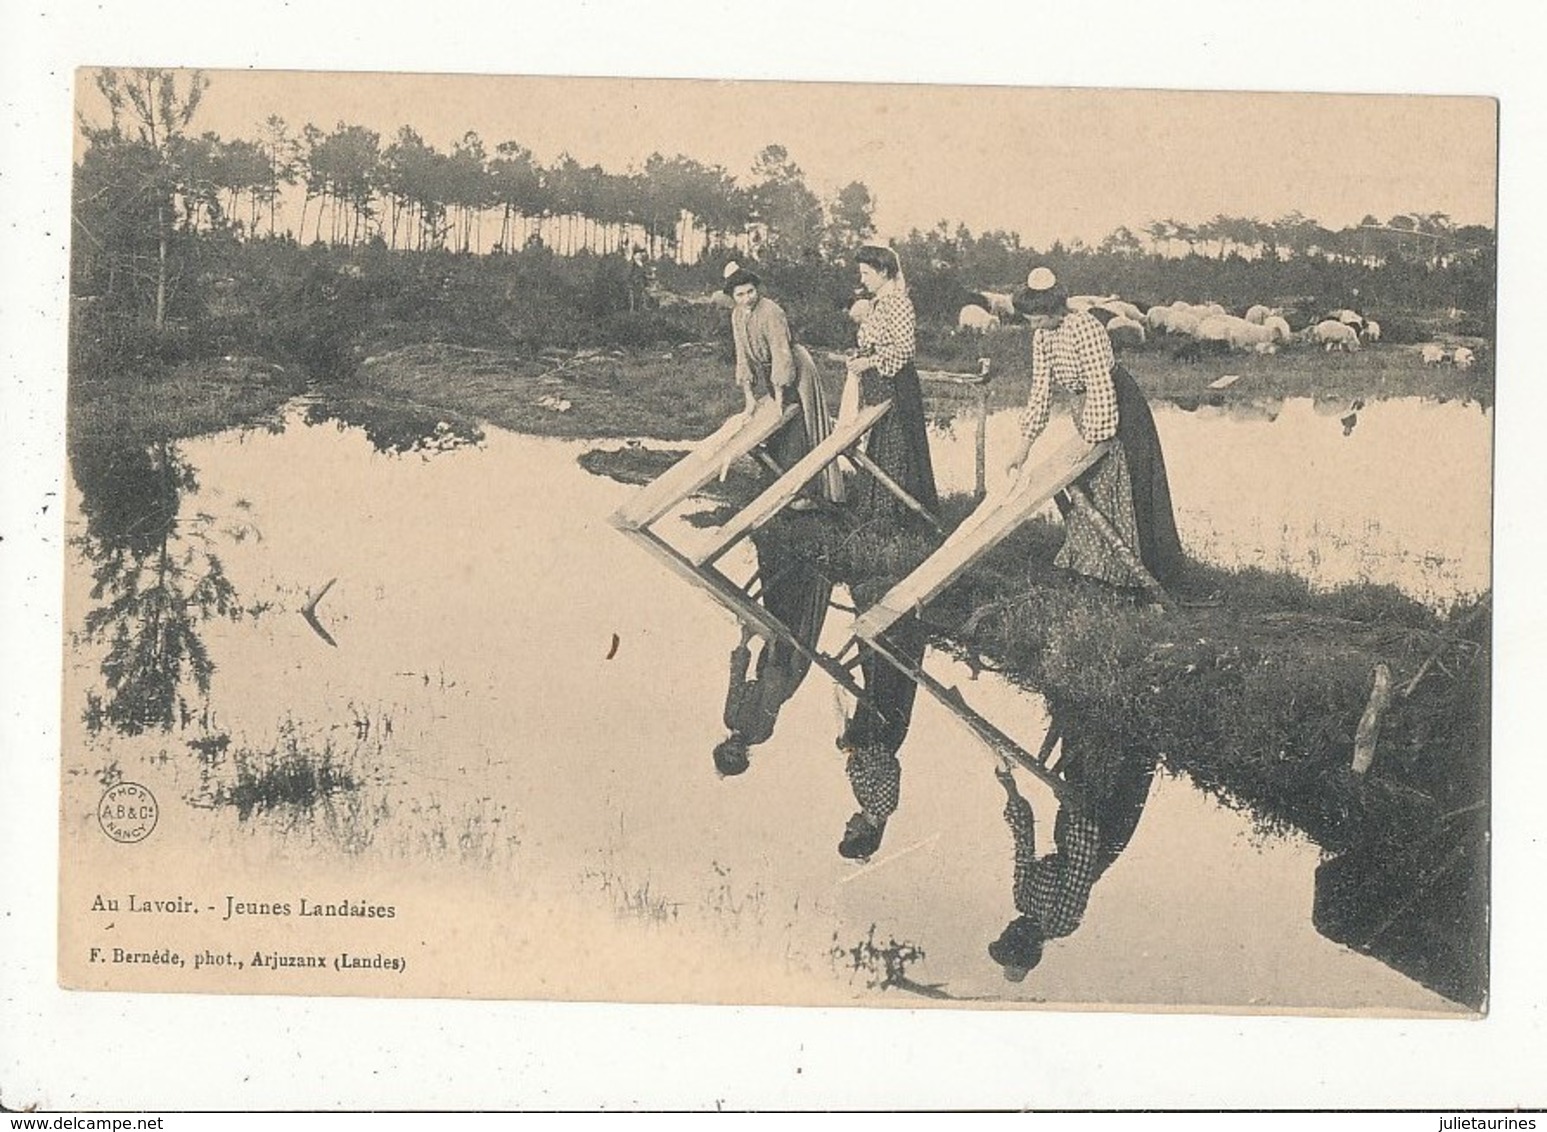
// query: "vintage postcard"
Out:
[778,543]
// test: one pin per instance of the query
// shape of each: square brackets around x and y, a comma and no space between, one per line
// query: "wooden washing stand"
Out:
[1052,477]
[742,436]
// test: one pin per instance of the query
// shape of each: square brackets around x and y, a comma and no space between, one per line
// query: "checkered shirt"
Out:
[889,332]
[1055,889]
[1078,356]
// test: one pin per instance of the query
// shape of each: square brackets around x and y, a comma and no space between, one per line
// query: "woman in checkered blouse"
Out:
[1128,486]
[899,443]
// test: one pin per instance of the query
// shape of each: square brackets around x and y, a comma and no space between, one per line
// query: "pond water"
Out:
[1396,492]
[500,717]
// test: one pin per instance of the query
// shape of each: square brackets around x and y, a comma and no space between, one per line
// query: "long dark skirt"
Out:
[899,444]
[1160,547]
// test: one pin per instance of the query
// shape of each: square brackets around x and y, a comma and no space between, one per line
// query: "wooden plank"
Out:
[783,490]
[996,518]
[735,438]
[991,737]
[723,590]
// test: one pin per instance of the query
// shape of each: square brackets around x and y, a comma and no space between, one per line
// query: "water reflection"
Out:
[874,734]
[1108,787]
[393,427]
[156,578]
[797,596]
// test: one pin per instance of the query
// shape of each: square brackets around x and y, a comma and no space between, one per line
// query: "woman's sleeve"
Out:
[1098,415]
[896,343]
[777,326]
[736,690]
[739,336]
[1034,416]
[1018,816]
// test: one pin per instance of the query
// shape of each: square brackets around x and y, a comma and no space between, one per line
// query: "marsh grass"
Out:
[192,398]
[293,778]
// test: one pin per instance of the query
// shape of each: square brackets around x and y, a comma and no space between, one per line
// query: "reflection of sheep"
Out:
[976,318]
[1333,334]
[1125,332]
[1432,353]
[1462,358]
[1371,330]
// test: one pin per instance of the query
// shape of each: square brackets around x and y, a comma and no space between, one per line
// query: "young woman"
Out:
[1071,349]
[769,363]
[899,444]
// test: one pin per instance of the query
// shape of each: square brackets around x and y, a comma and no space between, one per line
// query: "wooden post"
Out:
[1369,722]
[981,481]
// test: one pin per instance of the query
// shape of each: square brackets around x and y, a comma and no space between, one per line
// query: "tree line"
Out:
[148,184]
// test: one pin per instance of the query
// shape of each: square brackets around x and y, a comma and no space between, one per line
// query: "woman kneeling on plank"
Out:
[1128,485]
[769,363]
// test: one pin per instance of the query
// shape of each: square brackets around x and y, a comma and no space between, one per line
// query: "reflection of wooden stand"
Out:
[1043,764]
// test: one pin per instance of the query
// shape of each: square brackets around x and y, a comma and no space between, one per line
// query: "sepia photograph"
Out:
[1013,551]
[468,536]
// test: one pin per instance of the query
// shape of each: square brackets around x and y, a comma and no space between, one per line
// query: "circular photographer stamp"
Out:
[128,812]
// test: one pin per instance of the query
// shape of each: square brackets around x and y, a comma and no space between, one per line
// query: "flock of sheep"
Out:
[1261,330]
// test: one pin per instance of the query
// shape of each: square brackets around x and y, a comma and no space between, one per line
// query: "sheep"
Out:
[1185,322]
[1124,308]
[1334,334]
[1280,328]
[1085,302]
[996,302]
[972,317]
[1125,332]
[1216,329]
[1248,336]
[1158,318]
[1348,317]
[1258,314]
[1463,358]
[1371,330]
[1432,353]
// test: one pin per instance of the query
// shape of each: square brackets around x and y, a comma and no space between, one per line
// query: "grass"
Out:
[193,398]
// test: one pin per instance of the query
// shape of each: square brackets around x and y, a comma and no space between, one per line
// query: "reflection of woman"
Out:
[872,738]
[1092,828]
[797,597]
[769,363]
[899,443]
[1071,349]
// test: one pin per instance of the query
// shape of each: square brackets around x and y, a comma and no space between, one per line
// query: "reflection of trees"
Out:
[155,578]
[392,426]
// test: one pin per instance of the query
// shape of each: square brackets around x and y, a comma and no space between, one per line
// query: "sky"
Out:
[1049,163]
